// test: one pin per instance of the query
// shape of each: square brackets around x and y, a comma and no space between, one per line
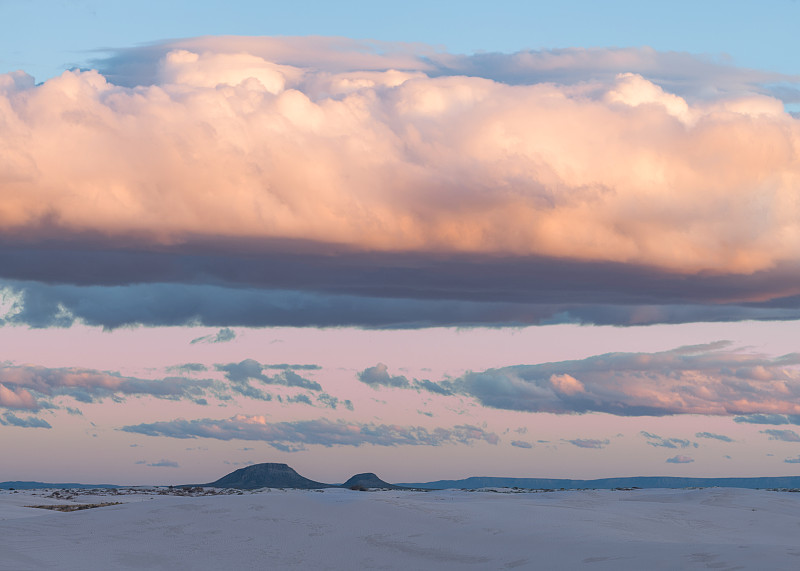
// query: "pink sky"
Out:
[354,256]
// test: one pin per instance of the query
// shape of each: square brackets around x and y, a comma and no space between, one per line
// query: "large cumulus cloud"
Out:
[214,162]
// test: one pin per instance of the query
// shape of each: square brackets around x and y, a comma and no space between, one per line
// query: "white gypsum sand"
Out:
[717,528]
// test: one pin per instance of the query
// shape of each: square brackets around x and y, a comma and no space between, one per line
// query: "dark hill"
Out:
[268,475]
[368,480]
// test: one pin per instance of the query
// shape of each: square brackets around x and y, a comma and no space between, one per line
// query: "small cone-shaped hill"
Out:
[268,475]
[368,480]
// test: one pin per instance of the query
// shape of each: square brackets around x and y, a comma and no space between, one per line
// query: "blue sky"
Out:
[48,36]
[431,240]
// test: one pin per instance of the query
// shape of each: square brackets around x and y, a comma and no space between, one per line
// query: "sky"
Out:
[441,241]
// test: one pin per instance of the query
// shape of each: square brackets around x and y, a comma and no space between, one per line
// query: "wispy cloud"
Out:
[164,464]
[589,443]
[10,419]
[224,335]
[294,435]
[713,436]
[680,459]
[658,441]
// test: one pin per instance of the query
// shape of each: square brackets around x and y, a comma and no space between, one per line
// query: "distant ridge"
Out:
[368,480]
[611,483]
[41,485]
[267,475]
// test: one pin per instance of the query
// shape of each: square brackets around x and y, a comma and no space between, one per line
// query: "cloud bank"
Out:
[235,180]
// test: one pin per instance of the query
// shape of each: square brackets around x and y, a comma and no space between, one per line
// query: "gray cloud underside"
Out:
[775,419]
[709,379]
[290,435]
[116,288]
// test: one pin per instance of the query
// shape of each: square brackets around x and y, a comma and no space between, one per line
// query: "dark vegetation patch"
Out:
[74,507]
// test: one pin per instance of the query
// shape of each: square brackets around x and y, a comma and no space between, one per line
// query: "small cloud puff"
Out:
[521,444]
[680,459]
[378,376]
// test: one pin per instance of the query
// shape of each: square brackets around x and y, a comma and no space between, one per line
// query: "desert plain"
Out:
[337,529]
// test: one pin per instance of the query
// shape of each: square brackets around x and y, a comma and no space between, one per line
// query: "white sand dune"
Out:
[712,528]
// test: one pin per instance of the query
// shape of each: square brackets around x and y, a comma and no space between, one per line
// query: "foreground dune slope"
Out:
[343,529]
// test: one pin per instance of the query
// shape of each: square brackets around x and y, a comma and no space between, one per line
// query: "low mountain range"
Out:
[274,475]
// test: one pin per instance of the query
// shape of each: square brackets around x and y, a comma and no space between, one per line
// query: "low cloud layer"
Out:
[291,436]
[233,181]
[33,387]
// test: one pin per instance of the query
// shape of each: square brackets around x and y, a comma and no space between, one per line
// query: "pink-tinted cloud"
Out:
[267,142]
[17,397]
[708,379]
[19,384]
